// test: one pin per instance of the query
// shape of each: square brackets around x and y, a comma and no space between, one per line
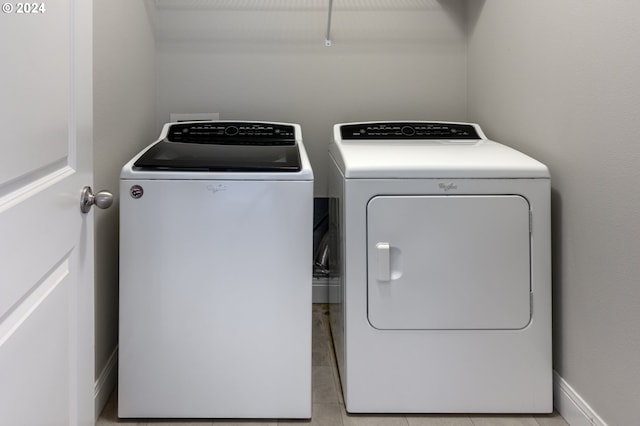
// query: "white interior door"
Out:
[448,262]
[46,243]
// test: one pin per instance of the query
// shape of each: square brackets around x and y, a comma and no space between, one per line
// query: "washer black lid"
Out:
[224,147]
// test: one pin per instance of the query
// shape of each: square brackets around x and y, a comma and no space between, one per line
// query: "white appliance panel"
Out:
[448,262]
[215,274]
[217,303]
[437,370]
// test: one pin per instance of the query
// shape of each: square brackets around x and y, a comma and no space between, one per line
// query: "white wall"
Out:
[560,80]
[390,59]
[124,122]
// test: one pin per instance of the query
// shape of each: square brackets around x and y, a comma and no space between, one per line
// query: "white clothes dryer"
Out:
[442,243]
[215,273]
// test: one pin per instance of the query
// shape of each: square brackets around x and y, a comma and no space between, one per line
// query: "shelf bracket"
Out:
[327,39]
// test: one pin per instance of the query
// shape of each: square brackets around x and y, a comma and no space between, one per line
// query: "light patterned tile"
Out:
[320,308]
[318,320]
[320,358]
[503,420]
[319,337]
[318,328]
[323,415]
[109,415]
[373,419]
[243,422]
[336,379]
[553,419]
[322,351]
[332,361]
[107,422]
[438,420]
[324,386]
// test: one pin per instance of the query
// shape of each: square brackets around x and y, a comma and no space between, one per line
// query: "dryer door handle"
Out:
[384,261]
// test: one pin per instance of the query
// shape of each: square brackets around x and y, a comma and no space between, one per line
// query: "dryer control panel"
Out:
[232,133]
[408,130]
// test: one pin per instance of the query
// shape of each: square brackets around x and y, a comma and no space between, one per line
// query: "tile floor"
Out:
[328,406]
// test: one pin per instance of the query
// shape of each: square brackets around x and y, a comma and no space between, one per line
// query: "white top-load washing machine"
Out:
[215,273]
[442,242]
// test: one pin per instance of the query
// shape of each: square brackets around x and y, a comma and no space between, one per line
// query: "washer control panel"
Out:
[232,133]
[408,130]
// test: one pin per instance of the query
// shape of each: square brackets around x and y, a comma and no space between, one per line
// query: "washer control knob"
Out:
[231,131]
[408,131]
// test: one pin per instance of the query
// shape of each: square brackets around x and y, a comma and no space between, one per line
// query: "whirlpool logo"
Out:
[446,187]
[213,188]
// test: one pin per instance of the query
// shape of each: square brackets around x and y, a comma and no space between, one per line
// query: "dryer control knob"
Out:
[408,131]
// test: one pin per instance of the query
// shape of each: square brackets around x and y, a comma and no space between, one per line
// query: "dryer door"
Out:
[448,262]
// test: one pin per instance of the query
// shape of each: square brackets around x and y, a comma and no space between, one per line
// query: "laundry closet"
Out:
[555,80]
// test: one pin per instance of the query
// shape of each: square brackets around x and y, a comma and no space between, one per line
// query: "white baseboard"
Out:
[571,406]
[320,290]
[105,383]
[323,291]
